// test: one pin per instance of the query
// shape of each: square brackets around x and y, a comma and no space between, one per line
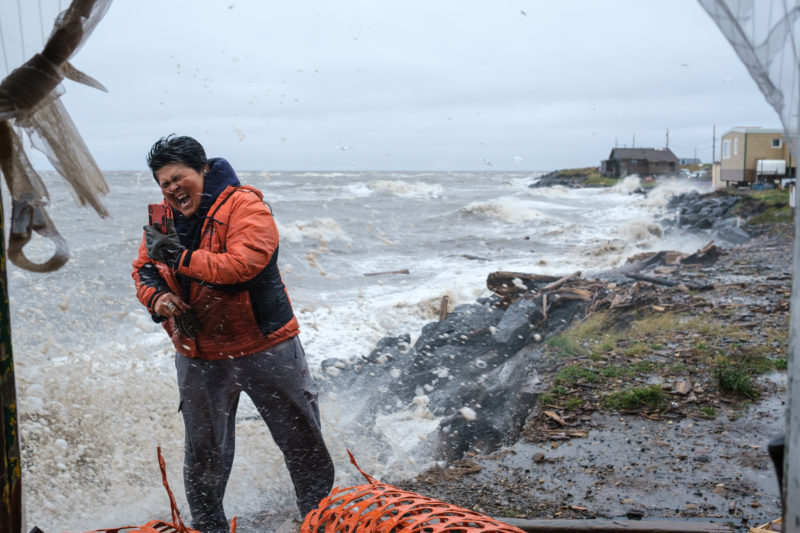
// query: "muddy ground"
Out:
[699,454]
[704,457]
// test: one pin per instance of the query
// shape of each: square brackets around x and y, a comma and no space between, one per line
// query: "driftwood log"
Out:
[669,282]
[403,271]
[507,283]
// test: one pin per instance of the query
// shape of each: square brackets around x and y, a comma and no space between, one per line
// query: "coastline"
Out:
[674,463]
[701,455]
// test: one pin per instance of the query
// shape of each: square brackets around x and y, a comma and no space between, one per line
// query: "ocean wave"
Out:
[322,229]
[512,210]
[667,189]
[641,232]
[559,192]
[419,189]
[627,185]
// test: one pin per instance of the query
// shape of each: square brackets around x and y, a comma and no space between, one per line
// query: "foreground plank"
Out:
[616,526]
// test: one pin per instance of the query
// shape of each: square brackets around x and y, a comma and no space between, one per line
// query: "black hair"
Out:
[174,149]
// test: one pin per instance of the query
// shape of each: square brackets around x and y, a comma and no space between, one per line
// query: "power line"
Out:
[3,44]
[41,20]
[21,32]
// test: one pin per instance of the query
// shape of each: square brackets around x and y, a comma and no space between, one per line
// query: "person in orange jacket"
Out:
[212,281]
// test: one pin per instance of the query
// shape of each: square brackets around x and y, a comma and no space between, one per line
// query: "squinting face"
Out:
[182,187]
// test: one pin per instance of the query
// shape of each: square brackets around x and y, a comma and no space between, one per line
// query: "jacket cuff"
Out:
[152,300]
[184,260]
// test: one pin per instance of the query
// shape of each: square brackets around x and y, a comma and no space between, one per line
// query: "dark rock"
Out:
[556,178]
[480,357]
[516,324]
[733,234]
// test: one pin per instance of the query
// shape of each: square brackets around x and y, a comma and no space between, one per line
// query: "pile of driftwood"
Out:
[646,289]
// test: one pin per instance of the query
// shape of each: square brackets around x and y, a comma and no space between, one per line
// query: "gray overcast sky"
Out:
[435,84]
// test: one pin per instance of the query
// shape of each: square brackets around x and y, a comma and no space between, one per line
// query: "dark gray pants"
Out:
[285,394]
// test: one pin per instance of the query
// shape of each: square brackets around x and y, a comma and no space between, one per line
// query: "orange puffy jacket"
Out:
[236,290]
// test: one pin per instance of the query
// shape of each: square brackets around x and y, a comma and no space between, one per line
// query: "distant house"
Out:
[690,161]
[754,155]
[643,161]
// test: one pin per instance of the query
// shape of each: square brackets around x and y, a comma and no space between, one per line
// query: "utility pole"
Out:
[634,141]
[714,145]
[667,138]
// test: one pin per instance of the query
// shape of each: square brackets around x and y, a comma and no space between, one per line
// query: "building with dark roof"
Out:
[642,161]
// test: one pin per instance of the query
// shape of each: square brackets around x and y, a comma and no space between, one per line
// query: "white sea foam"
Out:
[406,189]
[627,184]
[96,373]
[507,209]
[667,189]
[318,229]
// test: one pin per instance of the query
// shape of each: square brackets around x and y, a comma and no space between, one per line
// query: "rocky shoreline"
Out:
[529,425]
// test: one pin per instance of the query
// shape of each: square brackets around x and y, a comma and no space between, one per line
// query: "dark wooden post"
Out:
[10,467]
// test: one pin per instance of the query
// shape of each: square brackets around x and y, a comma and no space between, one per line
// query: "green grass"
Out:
[585,171]
[565,345]
[574,373]
[677,368]
[776,202]
[771,197]
[616,371]
[615,353]
[708,411]
[772,215]
[573,403]
[599,180]
[593,177]
[629,371]
[636,349]
[547,399]
[733,379]
[636,397]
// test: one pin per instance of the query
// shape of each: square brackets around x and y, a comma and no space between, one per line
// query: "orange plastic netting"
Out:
[378,507]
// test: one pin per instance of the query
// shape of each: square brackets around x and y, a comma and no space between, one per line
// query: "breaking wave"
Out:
[509,209]
[322,229]
[406,189]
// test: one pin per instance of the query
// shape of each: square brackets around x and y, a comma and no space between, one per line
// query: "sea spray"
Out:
[96,382]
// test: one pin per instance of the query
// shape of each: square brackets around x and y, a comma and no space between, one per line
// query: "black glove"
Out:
[188,324]
[165,248]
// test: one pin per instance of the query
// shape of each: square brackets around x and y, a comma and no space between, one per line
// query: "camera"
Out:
[158,216]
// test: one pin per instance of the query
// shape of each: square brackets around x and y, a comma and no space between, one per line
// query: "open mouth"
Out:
[182,200]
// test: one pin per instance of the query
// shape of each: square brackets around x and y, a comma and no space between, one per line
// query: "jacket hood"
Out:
[219,177]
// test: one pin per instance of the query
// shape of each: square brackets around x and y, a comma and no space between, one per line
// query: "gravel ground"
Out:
[677,464]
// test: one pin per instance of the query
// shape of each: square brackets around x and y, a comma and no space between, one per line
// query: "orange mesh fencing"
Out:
[381,508]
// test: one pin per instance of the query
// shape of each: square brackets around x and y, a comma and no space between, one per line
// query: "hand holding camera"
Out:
[170,305]
[188,324]
[161,239]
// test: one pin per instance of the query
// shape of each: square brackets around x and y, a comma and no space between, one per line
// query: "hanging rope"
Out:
[29,97]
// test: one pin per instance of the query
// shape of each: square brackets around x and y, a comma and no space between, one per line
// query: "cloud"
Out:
[422,81]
